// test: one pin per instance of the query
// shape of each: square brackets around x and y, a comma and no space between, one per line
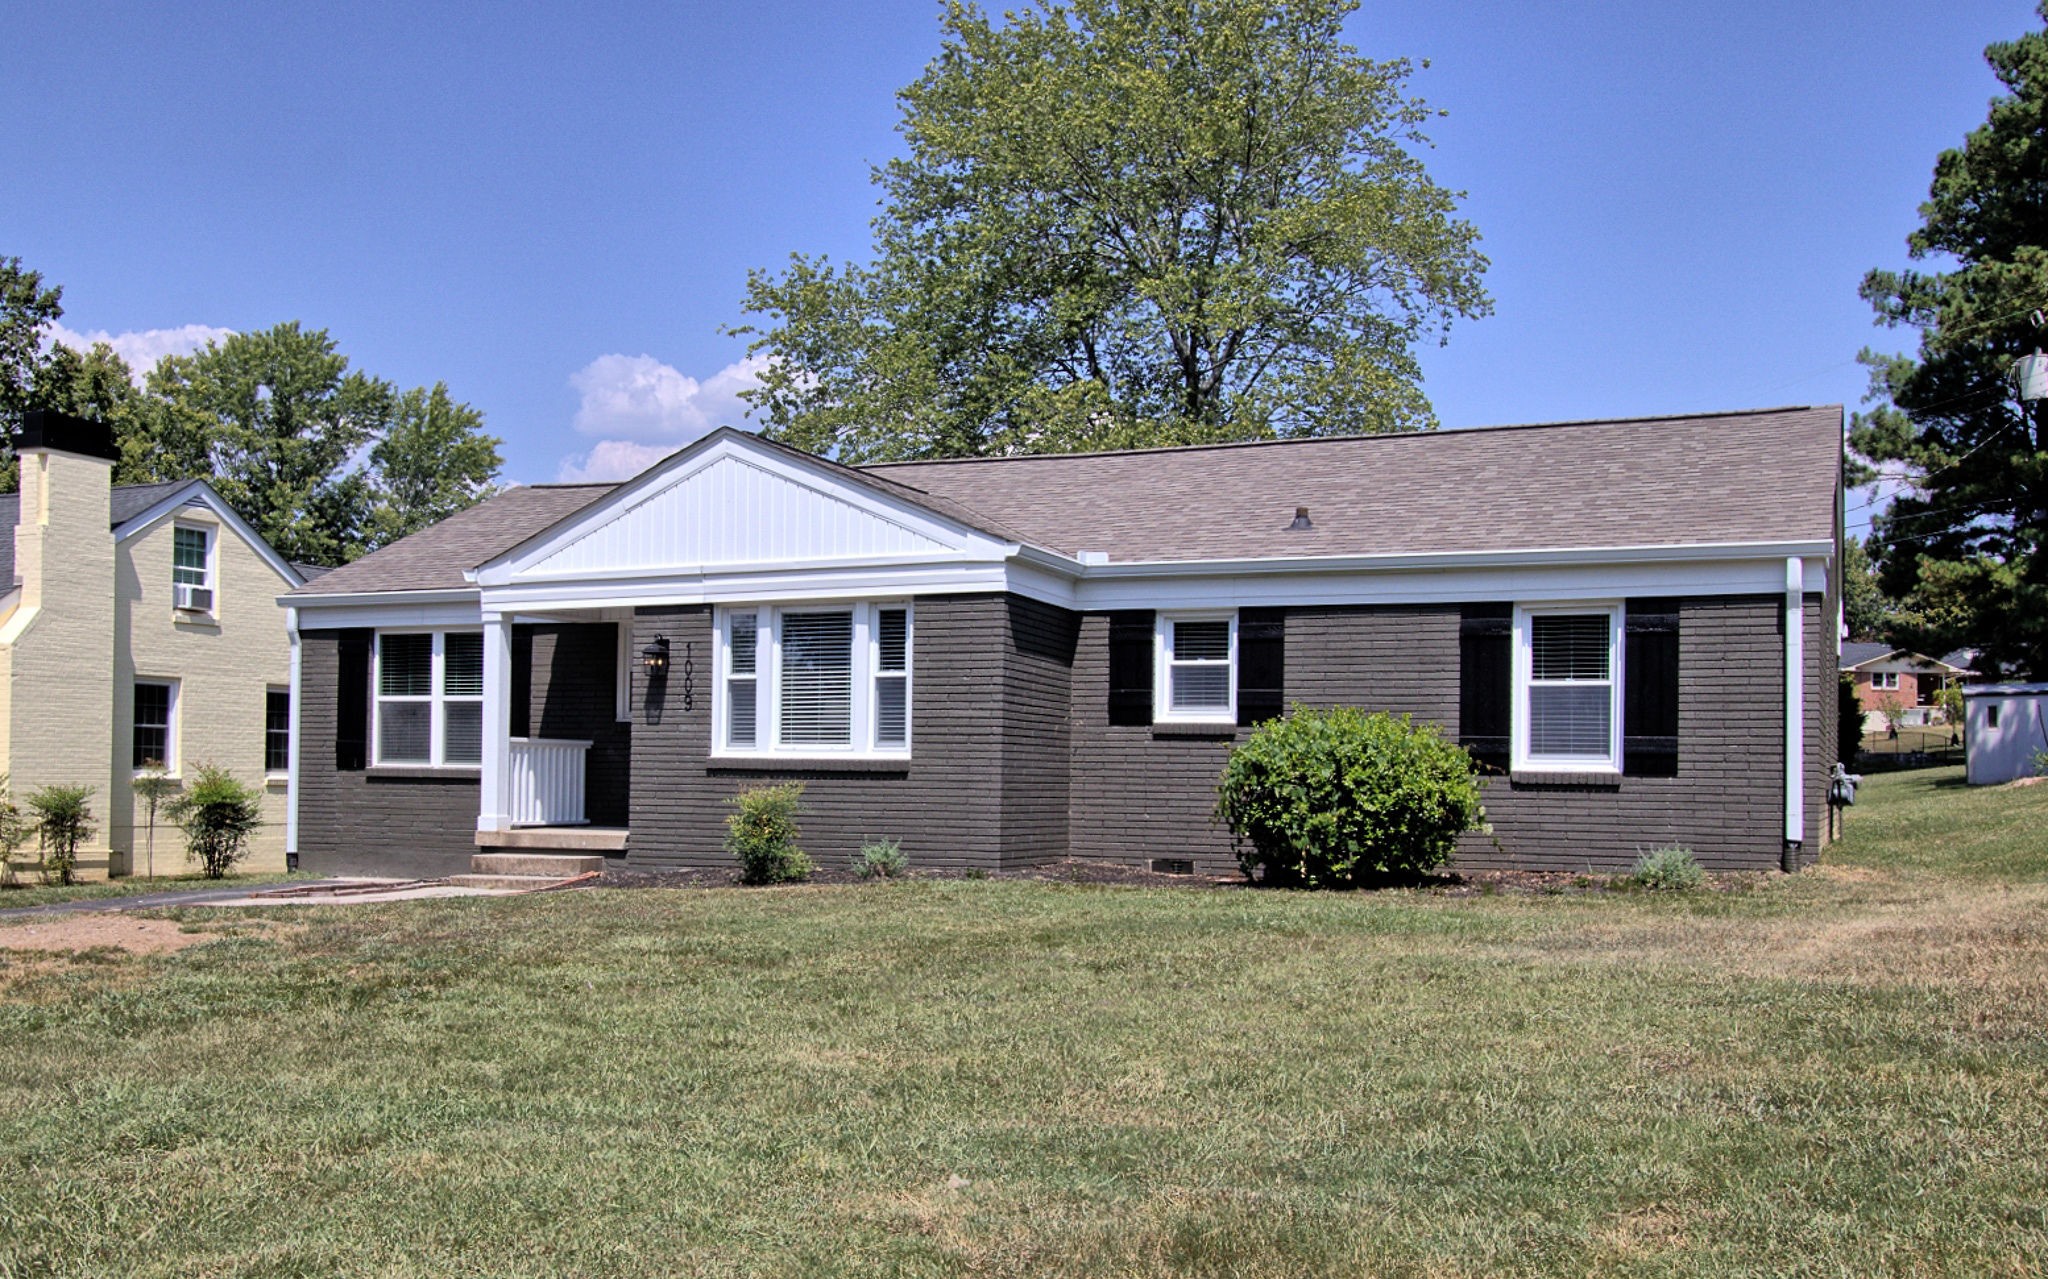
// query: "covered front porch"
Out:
[556,733]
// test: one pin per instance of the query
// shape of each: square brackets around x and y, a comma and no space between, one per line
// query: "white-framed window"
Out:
[155,733]
[813,679]
[1567,690]
[1884,679]
[430,698]
[1195,668]
[192,575]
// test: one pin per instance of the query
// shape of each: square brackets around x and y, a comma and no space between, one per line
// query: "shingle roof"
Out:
[434,558]
[125,502]
[1857,652]
[1760,476]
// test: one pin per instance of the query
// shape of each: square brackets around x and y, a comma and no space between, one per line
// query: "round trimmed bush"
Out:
[1336,797]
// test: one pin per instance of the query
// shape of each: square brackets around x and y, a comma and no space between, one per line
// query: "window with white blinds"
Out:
[1196,668]
[430,698]
[814,680]
[1568,694]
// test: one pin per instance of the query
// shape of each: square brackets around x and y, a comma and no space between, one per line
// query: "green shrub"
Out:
[14,832]
[881,859]
[1337,797]
[63,821]
[761,832]
[1670,869]
[218,814]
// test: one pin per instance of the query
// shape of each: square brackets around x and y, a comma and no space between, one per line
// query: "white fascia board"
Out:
[753,587]
[1535,582]
[203,492]
[397,608]
[517,564]
[1440,561]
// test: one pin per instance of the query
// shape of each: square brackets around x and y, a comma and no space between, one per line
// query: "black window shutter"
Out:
[1130,667]
[1649,673]
[1261,665]
[352,700]
[522,681]
[1485,675]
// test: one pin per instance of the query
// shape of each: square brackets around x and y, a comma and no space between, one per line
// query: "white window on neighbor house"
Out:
[1567,692]
[813,680]
[1884,679]
[1195,668]
[155,734]
[192,585]
[430,698]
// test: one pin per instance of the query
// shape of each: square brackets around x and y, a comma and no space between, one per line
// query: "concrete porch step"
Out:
[534,865]
[557,839]
[505,881]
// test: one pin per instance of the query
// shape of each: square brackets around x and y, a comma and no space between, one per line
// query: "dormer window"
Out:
[191,569]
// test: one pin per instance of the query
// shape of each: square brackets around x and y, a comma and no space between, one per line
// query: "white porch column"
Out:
[494,806]
[1795,702]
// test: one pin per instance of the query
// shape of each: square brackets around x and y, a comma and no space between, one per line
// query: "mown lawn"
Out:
[1837,1074]
[29,890]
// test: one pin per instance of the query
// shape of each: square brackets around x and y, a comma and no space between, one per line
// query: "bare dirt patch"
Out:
[88,931]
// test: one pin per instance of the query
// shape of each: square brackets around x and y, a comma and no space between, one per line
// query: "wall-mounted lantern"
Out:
[655,656]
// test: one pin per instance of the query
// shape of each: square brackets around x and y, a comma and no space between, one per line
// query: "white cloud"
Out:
[640,410]
[142,348]
[611,460]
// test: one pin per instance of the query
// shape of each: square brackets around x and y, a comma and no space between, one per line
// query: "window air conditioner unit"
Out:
[194,599]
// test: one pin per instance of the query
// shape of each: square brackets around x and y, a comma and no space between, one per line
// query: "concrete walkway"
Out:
[140,901]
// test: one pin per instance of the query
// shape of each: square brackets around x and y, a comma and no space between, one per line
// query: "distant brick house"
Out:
[139,626]
[1912,681]
[1006,661]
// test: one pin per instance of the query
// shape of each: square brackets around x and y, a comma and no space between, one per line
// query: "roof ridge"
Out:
[1433,433]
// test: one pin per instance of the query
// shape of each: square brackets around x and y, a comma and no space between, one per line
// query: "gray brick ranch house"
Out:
[1011,660]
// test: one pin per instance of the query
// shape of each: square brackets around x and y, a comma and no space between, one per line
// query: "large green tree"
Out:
[27,307]
[1129,222]
[324,461]
[1962,548]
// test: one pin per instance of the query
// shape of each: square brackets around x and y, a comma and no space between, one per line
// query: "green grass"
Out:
[1838,1073]
[29,891]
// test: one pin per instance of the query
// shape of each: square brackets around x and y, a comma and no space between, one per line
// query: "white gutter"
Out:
[313,599]
[1437,560]
[1795,707]
[291,794]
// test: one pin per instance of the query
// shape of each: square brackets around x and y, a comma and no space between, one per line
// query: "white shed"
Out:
[2004,725]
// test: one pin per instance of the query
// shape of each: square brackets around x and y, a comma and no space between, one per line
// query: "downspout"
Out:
[291,794]
[1795,711]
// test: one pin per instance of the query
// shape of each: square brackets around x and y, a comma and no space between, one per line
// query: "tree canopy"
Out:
[1123,223]
[326,462]
[1962,549]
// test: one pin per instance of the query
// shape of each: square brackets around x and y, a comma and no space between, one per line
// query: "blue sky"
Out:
[553,208]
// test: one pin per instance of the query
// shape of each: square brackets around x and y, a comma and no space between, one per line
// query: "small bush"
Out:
[1671,869]
[1337,797]
[761,832]
[14,832]
[881,859]
[63,820]
[218,814]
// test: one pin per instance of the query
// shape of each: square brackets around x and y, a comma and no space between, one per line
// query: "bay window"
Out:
[1567,692]
[430,698]
[813,680]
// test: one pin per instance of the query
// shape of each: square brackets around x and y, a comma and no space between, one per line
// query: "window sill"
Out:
[274,780]
[425,772]
[1208,729]
[721,762]
[1607,778]
[184,617]
[175,779]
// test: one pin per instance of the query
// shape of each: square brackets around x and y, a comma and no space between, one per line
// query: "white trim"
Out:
[494,796]
[393,617]
[201,492]
[1795,701]
[1439,561]
[436,699]
[1521,759]
[767,677]
[1163,663]
[291,801]
[622,678]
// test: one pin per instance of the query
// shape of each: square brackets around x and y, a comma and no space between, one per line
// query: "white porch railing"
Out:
[547,781]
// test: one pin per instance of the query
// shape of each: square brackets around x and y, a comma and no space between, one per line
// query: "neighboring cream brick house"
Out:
[141,625]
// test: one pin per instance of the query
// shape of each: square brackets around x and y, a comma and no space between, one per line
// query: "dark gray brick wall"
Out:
[402,823]
[575,696]
[1037,738]
[1141,793]
[949,805]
